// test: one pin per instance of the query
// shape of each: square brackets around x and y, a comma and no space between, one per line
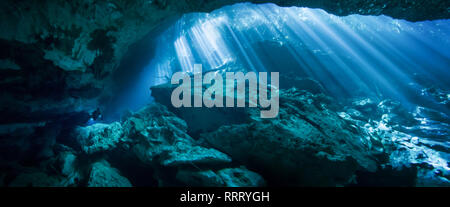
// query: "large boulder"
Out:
[158,133]
[70,168]
[300,146]
[99,137]
[201,119]
[103,175]
[150,138]
[67,162]
[194,155]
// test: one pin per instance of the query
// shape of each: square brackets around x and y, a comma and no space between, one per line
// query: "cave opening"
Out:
[360,61]
[349,56]
[366,96]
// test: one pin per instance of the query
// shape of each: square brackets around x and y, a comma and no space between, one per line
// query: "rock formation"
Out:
[61,60]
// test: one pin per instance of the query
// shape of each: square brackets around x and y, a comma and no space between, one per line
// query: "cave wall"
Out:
[57,57]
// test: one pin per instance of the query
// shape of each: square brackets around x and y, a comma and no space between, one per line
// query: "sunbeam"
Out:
[218,93]
[350,55]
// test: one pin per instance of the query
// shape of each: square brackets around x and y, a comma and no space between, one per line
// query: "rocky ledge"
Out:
[152,141]
[371,142]
[311,143]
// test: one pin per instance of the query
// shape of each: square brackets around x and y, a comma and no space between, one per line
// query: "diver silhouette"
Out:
[97,114]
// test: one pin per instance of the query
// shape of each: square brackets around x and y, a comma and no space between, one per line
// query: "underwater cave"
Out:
[362,95]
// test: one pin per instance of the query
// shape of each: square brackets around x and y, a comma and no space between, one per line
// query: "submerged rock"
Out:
[296,147]
[228,177]
[241,177]
[67,161]
[158,133]
[195,116]
[193,155]
[410,140]
[103,175]
[154,138]
[206,178]
[99,137]
[57,63]
[70,169]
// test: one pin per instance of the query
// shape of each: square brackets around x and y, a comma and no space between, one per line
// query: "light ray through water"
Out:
[350,56]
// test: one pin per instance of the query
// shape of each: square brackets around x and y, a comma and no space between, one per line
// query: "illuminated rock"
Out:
[99,137]
[297,147]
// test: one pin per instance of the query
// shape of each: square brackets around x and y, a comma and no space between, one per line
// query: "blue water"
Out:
[350,56]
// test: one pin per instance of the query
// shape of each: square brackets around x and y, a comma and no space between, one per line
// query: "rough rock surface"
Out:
[240,177]
[370,137]
[310,143]
[195,116]
[186,155]
[99,137]
[295,148]
[67,160]
[61,170]
[206,178]
[103,175]
[228,177]
[158,133]
[151,138]
[388,127]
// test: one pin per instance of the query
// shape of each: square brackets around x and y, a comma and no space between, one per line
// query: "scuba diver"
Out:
[96,115]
